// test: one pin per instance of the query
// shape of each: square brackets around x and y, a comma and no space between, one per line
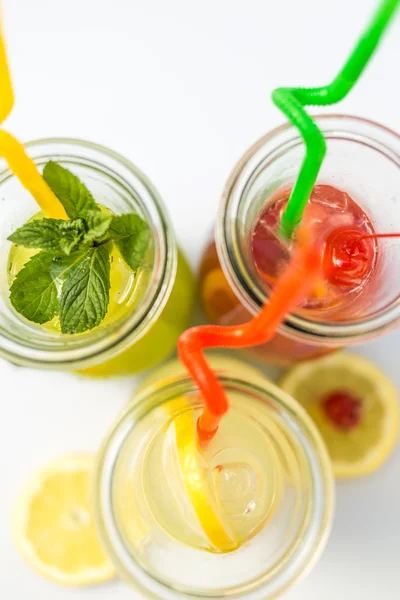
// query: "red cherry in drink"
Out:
[348,256]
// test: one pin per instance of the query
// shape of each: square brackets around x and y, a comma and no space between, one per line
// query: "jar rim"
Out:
[130,329]
[253,295]
[308,549]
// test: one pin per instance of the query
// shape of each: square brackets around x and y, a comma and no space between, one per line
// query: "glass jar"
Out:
[138,527]
[163,297]
[363,159]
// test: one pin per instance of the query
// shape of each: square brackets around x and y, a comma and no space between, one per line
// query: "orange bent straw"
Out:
[294,284]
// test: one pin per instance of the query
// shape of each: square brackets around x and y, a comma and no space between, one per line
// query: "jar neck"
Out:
[363,159]
[122,188]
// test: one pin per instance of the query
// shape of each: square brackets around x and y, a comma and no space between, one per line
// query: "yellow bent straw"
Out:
[20,164]
[7,94]
[25,169]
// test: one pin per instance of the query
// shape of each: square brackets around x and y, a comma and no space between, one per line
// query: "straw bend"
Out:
[292,287]
[291,102]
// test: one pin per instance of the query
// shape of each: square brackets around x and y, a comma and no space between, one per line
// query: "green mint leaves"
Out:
[85,293]
[70,276]
[33,292]
[50,234]
[131,238]
[73,195]
[97,225]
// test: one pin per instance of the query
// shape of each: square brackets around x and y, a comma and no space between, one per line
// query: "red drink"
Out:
[359,297]
[349,261]
[349,264]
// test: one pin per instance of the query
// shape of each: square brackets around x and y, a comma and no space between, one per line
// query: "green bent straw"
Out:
[292,100]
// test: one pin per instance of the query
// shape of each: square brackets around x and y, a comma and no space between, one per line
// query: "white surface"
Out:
[182,88]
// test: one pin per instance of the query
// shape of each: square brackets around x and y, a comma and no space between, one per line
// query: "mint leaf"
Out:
[72,193]
[131,235]
[86,291]
[67,245]
[33,292]
[50,234]
[97,225]
[62,264]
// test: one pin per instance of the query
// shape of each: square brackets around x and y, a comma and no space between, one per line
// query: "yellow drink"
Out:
[234,515]
[240,466]
[147,311]
[160,340]
[126,292]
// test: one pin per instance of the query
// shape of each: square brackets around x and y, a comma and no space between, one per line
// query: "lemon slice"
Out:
[54,528]
[355,407]
[195,478]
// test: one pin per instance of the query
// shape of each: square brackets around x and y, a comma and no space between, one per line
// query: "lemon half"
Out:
[54,527]
[354,405]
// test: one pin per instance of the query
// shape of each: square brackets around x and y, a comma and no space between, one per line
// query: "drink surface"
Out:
[160,339]
[250,477]
[338,222]
[351,268]
[126,292]
[240,468]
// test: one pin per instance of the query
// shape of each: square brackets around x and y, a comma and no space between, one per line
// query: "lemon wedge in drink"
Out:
[54,528]
[354,405]
[194,471]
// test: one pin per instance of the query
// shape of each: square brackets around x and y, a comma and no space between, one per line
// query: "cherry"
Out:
[349,255]
[343,409]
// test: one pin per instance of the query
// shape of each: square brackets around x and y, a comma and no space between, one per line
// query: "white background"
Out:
[182,88]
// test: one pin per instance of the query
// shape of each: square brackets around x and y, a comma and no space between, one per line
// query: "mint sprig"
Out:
[70,276]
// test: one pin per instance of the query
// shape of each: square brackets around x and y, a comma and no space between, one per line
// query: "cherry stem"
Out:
[370,236]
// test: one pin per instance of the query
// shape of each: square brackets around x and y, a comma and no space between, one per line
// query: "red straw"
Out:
[297,280]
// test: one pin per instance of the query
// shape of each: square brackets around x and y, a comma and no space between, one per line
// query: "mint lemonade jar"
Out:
[243,516]
[106,290]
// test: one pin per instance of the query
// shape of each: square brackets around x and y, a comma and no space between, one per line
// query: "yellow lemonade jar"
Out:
[244,517]
[147,310]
